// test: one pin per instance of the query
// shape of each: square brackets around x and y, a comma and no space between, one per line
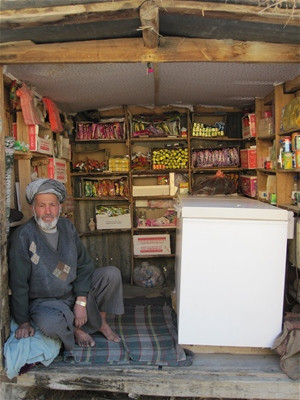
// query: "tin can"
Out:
[287,160]
[287,144]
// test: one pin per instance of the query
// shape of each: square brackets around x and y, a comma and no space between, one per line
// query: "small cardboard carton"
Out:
[249,126]
[151,244]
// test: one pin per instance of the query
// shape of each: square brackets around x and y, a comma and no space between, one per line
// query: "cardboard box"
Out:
[248,158]
[57,169]
[249,185]
[113,222]
[152,190]
[151,244]
[249,126]
[40,144]
[155,217]
[64,148]
[265,127]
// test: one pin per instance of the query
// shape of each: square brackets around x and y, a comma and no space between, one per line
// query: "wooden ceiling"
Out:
[161,31]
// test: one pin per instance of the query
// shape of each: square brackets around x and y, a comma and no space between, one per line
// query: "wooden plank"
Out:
[171,49]
[4,310]
[210,376]
[79,13]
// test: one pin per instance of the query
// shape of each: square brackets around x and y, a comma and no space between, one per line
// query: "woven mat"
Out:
[148,336]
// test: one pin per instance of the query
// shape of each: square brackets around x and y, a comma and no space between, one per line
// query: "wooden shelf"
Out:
[207,169]
[154,228]
[103,232]
[101,141]
[155,256]
[22,155]
[167,197]
[147,172]
[292,170]
[158,139]
[99,174]
[289,132]
[101,199]
[269,137]
[216,138]
[267,171]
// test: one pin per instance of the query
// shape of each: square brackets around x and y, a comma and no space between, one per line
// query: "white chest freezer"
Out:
[230,271]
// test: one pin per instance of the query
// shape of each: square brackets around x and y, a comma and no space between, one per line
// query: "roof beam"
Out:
[149,16]
[109,10]
[171,49]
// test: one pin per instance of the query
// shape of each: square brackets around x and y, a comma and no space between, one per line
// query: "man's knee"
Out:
[51,325]
[110,273]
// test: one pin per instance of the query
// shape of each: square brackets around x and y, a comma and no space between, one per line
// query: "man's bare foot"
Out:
[109,333]
[83,339]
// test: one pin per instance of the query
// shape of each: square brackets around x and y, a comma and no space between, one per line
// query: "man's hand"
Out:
[80,312]
[24,331]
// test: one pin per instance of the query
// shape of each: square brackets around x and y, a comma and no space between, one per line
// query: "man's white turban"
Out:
[42,186]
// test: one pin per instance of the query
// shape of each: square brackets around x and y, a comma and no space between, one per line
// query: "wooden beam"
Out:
[292,86]
[149,17]
[171,49]
[79,13]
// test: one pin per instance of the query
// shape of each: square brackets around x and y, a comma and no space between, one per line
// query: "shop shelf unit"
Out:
[159,160]
[275,182]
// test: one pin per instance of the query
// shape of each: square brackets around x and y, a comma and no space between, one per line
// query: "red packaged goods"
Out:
[248,158]
[249,185]
[54,117]
[28,110]
[249,125]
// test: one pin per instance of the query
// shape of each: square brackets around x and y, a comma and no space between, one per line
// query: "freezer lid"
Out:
[228,207]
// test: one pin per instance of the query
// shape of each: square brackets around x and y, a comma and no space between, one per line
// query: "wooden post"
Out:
[4,314]
[149,16]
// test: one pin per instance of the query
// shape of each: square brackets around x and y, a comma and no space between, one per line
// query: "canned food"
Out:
[287,144]
[287,160]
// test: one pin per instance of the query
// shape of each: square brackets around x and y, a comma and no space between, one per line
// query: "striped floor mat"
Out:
[148,336]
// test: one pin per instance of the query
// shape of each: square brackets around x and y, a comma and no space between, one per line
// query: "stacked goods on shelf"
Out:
[212,158]
[249,126]
[111,217]
[170,158]
[248,158]
[90,165]
[106,188]
[206,130]
[155,213]
[109,129]
[248,185]
[291,115]
[118,164]
[154,126]
[289,151]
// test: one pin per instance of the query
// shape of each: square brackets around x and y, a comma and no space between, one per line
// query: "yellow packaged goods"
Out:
[287,160]
[170,158]
[291,115]
[120,164]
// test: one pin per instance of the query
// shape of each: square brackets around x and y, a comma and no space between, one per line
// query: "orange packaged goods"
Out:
[248,158]
[249,126]
[54,116]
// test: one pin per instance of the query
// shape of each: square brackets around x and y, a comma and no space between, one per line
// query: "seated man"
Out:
[52,278]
